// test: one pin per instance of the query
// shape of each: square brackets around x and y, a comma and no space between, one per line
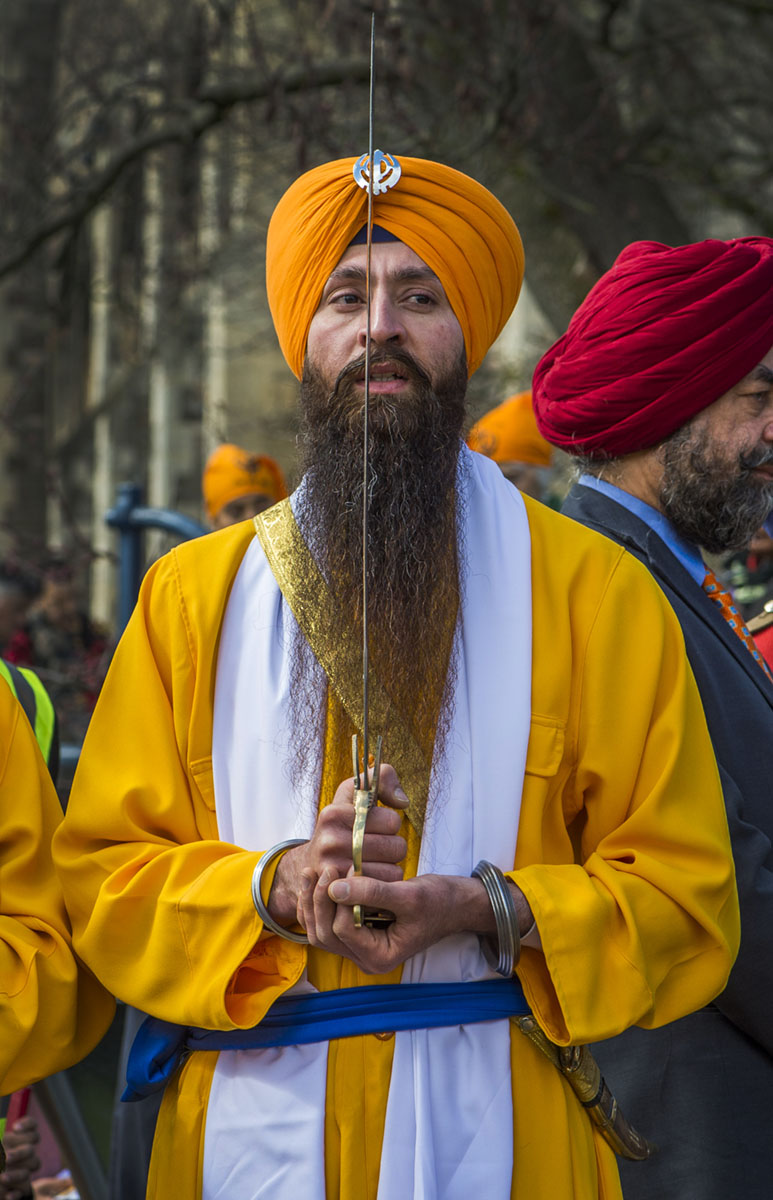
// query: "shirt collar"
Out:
[687,552]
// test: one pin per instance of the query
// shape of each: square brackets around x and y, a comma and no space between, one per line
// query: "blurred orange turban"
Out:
[454,224]
[231,472]
[509,433]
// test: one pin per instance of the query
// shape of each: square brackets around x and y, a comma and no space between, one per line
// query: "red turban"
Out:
[454,224]
[665,333]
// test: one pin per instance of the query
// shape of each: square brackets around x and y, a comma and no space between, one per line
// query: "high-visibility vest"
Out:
[35,701]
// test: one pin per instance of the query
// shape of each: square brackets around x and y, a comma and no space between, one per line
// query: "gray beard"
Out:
[414,552]
[715,503]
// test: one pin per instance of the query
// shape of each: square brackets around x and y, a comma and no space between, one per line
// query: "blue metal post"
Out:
[131,539]
[131,519]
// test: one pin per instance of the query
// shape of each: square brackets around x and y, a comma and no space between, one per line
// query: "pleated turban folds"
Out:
[662,335]
[454,224]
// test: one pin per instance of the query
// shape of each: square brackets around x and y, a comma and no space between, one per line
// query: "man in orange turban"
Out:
[211,822]
[452,223]
[663,387]
[238,485]
[509,435]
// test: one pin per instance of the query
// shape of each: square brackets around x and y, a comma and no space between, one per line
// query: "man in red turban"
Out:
[663,387]
[207,851]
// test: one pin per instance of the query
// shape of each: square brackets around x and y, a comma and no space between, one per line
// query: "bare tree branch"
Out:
[212,105]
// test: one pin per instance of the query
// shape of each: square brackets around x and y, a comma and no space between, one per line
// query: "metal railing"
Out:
[132,518]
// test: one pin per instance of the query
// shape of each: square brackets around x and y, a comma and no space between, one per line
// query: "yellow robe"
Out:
[623,854]
[52,1010]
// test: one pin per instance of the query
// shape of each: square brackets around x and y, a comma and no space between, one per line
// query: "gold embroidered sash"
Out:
[311,603]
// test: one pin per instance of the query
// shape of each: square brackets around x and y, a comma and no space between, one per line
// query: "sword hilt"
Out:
[582,1072]
[365,796]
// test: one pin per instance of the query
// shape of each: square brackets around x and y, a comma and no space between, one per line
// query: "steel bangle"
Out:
[263,862]
[506,917]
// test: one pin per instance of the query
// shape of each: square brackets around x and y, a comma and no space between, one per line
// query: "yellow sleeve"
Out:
[643,926]
[52,1010]
[161,908]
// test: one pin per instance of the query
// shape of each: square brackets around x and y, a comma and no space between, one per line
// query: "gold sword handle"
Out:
[363,802]
[364,799]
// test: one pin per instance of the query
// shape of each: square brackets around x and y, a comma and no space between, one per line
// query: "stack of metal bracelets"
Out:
[506,917]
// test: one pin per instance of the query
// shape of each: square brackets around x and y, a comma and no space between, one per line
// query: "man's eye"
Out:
[346,298]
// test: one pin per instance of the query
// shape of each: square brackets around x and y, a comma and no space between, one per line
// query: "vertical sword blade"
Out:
[366,414]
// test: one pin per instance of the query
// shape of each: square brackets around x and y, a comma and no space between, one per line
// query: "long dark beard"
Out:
[714,502]
[413,582]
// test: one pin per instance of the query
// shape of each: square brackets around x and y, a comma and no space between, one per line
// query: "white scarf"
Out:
[449,1118]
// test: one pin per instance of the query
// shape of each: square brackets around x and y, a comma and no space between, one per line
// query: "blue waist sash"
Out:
[160,1046]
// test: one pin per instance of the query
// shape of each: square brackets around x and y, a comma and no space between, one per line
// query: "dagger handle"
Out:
[364,799]
[363,802]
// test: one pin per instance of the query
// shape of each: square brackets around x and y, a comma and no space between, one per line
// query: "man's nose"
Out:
[386,323]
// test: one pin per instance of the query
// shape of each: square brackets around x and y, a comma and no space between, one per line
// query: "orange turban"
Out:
[232,472]
[509,434]
[455,225]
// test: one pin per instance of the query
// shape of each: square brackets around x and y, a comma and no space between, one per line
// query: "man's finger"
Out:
[305,910]
[344,793]
[380,848]
[383,820]
[390,791]
[386,872]
[363,889]
[326,917]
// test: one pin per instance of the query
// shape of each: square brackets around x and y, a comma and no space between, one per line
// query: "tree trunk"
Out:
[29,38]
[97,402]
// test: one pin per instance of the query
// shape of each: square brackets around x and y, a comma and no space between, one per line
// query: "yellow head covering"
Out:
[455,225]
[231,472]
[509,433]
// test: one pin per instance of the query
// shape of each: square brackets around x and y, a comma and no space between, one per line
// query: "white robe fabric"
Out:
[450,1093]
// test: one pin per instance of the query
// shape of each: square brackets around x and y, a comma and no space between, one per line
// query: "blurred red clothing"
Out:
[763,640]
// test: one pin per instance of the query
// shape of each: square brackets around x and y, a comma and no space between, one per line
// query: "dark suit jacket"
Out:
[702,1087]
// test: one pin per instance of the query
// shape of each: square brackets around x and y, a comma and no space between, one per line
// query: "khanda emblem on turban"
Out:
[385,174]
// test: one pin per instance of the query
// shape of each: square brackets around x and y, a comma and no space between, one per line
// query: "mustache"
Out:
[356,369]
[756,458]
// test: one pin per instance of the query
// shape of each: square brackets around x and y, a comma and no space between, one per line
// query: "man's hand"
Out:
[426,909]
[22,1160]
[328,855]
[59,1185]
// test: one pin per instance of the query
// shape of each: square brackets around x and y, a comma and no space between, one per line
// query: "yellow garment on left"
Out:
[52,1010]
[622,852]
